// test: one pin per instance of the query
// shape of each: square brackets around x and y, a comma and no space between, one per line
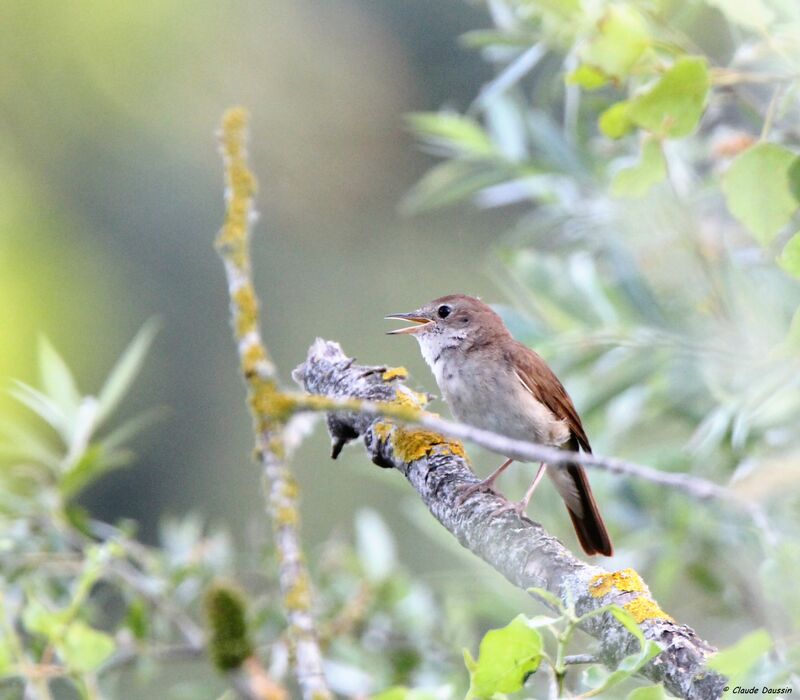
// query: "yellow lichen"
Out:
[411,445]
[269,404]
[643,608]
[246,305]
[394,373]
[625,581]
[286,515]
[298,597]
[290,488]
[408,398]
[276,445]
[382,430]
[252,358]
[241,186]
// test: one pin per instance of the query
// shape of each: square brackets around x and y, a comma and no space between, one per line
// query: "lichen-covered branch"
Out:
[518,548]
[264,395]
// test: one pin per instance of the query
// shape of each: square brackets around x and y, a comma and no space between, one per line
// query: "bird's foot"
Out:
[465,491]
[518,507]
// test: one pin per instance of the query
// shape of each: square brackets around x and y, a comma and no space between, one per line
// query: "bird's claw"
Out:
[465,491]
[518,508]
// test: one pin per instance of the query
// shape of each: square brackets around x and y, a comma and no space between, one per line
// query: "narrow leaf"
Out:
[42,406]
[450,182]
[57,379]
[91,465]
[132,427]
[454,132]
[126,370]
[22,442]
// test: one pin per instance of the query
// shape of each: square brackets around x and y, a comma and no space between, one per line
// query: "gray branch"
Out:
[518,548]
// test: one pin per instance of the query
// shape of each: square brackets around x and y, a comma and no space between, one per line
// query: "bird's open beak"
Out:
[421,322]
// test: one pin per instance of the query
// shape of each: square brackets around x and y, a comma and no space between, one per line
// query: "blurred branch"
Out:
[264,395]
[696,487]
[405,405]
[518,548]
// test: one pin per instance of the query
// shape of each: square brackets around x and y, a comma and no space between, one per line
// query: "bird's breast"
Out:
[489,396]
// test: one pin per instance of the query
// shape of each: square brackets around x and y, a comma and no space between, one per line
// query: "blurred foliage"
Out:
[654,170]
[647,151]
[82,600]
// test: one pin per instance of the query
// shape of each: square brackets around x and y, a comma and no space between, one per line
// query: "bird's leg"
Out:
[486,485]
[520,507]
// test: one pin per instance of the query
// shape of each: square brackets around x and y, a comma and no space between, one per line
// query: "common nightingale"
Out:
[492,381]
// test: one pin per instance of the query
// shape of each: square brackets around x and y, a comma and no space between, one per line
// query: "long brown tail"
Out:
[573,485]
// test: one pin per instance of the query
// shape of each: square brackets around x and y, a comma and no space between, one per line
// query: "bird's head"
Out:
[450,322]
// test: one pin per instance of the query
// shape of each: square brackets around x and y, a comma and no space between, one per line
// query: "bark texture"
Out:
[518,548]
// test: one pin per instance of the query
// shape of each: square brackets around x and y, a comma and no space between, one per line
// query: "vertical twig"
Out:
[267,403]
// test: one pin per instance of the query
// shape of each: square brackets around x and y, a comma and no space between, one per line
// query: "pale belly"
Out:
[498,402]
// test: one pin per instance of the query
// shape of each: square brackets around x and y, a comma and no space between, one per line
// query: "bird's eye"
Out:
[443,311]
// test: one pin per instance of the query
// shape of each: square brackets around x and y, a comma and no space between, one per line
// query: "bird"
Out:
[492,381]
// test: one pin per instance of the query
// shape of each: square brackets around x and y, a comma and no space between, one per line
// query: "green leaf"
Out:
[56,378]
[449,182]
[588,77]
[39,620]
[84,649]
[506,657]
[789,259]
[601,680]
[622,38]
[739,658]
[614,122]
[93,463]
[629,623]
[125,370]
[648,692]
[137,619]
[453,132]
[673,106]
[42,406]
[6,659]
[23,442]
[547,598]
[759,189]
[132,427]
[637,180]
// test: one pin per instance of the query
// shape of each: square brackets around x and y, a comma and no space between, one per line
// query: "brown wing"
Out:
[571,482]
[547,389]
